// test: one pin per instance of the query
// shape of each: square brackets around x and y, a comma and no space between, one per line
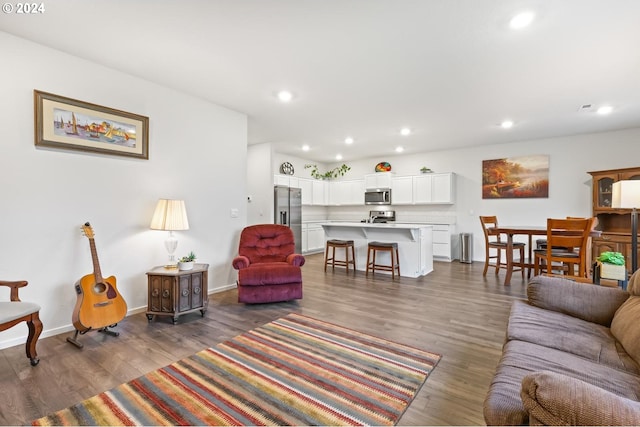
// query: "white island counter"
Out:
[415,243]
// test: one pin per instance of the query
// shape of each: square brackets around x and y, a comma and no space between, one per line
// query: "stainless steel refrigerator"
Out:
[288,211]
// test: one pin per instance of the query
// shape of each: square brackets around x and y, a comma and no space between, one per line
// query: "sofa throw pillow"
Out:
[625,327]
[633,287]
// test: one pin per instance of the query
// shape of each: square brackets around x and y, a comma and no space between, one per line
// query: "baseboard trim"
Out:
[69,328]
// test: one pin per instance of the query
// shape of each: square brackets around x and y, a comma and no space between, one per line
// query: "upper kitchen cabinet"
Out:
[286,180]
[306,185]
[320,192]
[434,188]
[378,180]
[402,190]
[343,193]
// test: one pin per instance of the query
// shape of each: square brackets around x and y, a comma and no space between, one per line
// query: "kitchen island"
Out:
[415,243]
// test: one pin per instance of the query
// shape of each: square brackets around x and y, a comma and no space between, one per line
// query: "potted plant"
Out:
[425,169]
[186,262]
[612,265]
[333,173]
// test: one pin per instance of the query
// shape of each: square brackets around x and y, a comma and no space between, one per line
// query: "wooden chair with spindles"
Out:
[567,247]
[493,241]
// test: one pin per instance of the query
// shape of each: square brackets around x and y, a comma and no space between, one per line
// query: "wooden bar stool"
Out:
[390,247]
[346,244]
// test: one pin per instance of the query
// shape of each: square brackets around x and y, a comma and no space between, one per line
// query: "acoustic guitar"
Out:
[99,303]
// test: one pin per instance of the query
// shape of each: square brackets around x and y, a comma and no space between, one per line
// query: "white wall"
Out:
[197,152]
[260,184]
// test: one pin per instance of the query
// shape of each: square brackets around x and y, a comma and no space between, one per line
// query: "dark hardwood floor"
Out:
[453,311]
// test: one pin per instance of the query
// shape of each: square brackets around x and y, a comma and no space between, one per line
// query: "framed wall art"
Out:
[516,177]
[70,124]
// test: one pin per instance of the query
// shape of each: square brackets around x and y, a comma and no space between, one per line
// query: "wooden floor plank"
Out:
[453,311]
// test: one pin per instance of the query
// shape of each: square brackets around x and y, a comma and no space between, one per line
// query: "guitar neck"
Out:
[96,265]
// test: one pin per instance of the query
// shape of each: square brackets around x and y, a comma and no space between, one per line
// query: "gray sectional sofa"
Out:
[571,357]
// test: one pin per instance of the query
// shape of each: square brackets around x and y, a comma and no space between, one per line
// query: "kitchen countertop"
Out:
[400,225]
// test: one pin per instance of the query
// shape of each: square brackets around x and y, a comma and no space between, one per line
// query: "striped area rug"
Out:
[293,371]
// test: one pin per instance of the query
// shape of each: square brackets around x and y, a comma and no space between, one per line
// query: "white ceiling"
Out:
[451,70]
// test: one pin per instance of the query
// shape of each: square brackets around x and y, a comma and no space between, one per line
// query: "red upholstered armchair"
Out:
[268,268]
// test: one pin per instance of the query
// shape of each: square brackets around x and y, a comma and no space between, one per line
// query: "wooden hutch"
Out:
[615,224]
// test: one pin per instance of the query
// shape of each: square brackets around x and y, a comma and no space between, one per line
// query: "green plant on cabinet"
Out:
[189,258]
[333,173]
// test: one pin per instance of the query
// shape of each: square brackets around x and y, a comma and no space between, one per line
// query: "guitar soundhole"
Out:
[99,288]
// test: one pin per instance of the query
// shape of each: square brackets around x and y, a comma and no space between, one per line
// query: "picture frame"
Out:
[517,177]
[70,124]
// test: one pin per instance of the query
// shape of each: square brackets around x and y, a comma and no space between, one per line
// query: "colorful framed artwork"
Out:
[516,177]
[70,124]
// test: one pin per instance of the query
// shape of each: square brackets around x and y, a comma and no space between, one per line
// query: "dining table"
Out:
[512,230]
[530,231]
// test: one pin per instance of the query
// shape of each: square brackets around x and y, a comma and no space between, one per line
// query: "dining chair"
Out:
[494,240]
[567,247]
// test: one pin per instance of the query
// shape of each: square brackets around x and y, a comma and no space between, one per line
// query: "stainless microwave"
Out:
[379,196]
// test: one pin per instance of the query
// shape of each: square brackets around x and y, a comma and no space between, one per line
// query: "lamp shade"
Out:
[170,215]
[626,194]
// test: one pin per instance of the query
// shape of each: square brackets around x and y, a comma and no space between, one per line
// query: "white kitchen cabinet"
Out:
[402,190]
[378,180]
[345,193]
[443,188]
[306,185]
[320,192]
[444,243]
[286,180]
[313,240]
[433,188]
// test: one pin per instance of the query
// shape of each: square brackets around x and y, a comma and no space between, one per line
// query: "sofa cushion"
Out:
[554,399]
[626,326]
[566,333]
[596,304]
[503,405]
[270,273]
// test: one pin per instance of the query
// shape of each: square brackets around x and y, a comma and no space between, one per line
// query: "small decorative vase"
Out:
[185,265]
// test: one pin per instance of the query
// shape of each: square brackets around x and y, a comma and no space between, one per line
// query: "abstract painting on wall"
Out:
[516,177]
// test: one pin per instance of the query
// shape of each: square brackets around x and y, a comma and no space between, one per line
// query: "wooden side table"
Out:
[177,292]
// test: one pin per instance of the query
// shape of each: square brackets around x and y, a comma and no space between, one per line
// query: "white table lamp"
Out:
[626,195]
[170,215]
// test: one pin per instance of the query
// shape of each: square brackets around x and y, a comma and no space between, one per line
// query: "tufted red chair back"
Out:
[266,243]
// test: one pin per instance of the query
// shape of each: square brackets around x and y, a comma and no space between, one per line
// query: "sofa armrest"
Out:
[592,303]
[556,399]
[296,259]
[241,262]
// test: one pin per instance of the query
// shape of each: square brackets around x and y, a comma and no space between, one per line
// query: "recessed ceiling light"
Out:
[305,147]
[348,140]
[521,20]
[399,149]
[507,124]
[405,131]
[285,96]
[605,109]
[339,157]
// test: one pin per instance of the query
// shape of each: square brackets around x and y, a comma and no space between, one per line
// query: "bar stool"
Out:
[390,247]
[346,244]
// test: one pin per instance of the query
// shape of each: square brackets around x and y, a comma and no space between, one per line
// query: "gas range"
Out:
[380,217]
